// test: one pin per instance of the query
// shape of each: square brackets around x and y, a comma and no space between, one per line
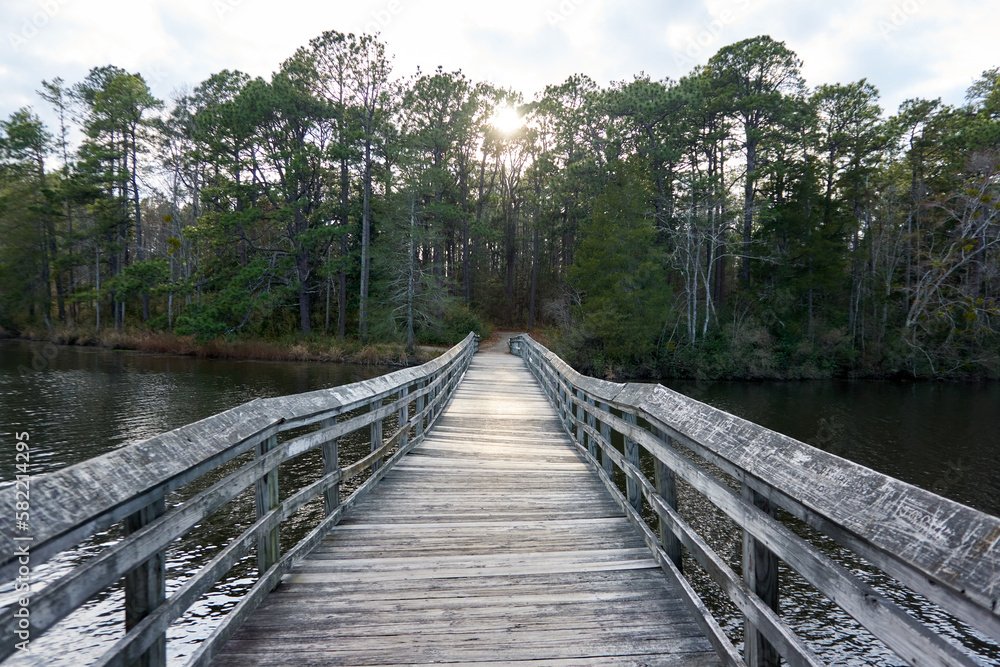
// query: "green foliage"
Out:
[139,278]
[725,225]
[619,270]
[455,324]
[245,299]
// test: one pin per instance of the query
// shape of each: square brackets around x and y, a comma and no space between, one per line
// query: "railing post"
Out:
[145,586]
[567,403]
[376,432]
[606,461]
[632,456]
[580,434]
[666,486]
[760,573]
[432,399]
[559,398]
[421,402]
[266,499]
[331,500]
[592,423]
[403,417]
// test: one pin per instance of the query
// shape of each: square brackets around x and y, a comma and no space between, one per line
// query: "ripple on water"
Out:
[92,401]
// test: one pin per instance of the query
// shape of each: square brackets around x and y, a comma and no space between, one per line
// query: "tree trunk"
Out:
[342,288]
[302,264]
[748,200]
[411,280]
[97,298]
[466,268]
[365,243]
[534,279]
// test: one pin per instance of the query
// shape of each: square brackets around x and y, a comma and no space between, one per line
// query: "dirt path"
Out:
[497,342]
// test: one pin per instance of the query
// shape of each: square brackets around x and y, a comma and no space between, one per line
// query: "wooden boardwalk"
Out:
[491,543]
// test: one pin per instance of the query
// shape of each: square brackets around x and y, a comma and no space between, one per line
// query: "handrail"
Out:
[131,483]
[938,548]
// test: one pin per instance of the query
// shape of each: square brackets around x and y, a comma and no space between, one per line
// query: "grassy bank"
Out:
[309,348]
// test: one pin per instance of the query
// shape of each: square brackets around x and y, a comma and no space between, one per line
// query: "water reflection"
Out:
[941,437]
[81,403]
[85,402]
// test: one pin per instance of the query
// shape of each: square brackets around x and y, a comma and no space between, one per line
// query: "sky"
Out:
[906,48]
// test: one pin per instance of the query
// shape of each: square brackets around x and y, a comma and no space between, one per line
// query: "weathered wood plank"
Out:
[675,660]
[760,574]
[492,541]
[145,587]
[71,504]
[265,500]
[331,462]
[939,548]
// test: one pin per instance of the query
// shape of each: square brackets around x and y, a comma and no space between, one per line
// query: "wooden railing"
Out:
[130,485]
[940,549]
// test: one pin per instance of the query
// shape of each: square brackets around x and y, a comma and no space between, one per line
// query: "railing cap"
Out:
[66,501]
[947,543]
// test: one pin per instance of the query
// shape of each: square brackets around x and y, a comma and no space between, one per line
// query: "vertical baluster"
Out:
[760,573]
[421,402]
[632,456]
[376,433]
[592,423]
[403,417]
[606,461]
[559,398]
[266,499]
[666,486]
[145,586]
[331,500]
[580,433]
[433,405]
[567,404]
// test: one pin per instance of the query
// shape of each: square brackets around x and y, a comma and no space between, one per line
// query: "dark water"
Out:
[77,403]
[941,437]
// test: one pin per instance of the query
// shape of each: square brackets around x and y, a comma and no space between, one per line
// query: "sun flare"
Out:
[507,120]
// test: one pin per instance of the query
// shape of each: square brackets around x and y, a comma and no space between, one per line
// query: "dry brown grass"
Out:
[149,341]
[168,343]
[369,355]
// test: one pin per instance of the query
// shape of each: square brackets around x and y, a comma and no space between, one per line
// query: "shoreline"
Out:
[316,348]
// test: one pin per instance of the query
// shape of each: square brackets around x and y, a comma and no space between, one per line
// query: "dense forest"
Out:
[735,223]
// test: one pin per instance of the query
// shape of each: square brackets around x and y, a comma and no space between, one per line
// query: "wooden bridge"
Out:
[502,522]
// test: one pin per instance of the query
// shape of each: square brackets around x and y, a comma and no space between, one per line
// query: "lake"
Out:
[77,403]
[81,402]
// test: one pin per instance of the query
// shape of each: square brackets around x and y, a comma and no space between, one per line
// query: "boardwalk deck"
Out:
[491,543]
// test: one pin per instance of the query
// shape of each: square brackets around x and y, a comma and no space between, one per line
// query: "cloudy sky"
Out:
[907,48]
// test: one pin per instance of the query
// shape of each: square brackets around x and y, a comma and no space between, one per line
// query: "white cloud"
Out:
[931,48]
